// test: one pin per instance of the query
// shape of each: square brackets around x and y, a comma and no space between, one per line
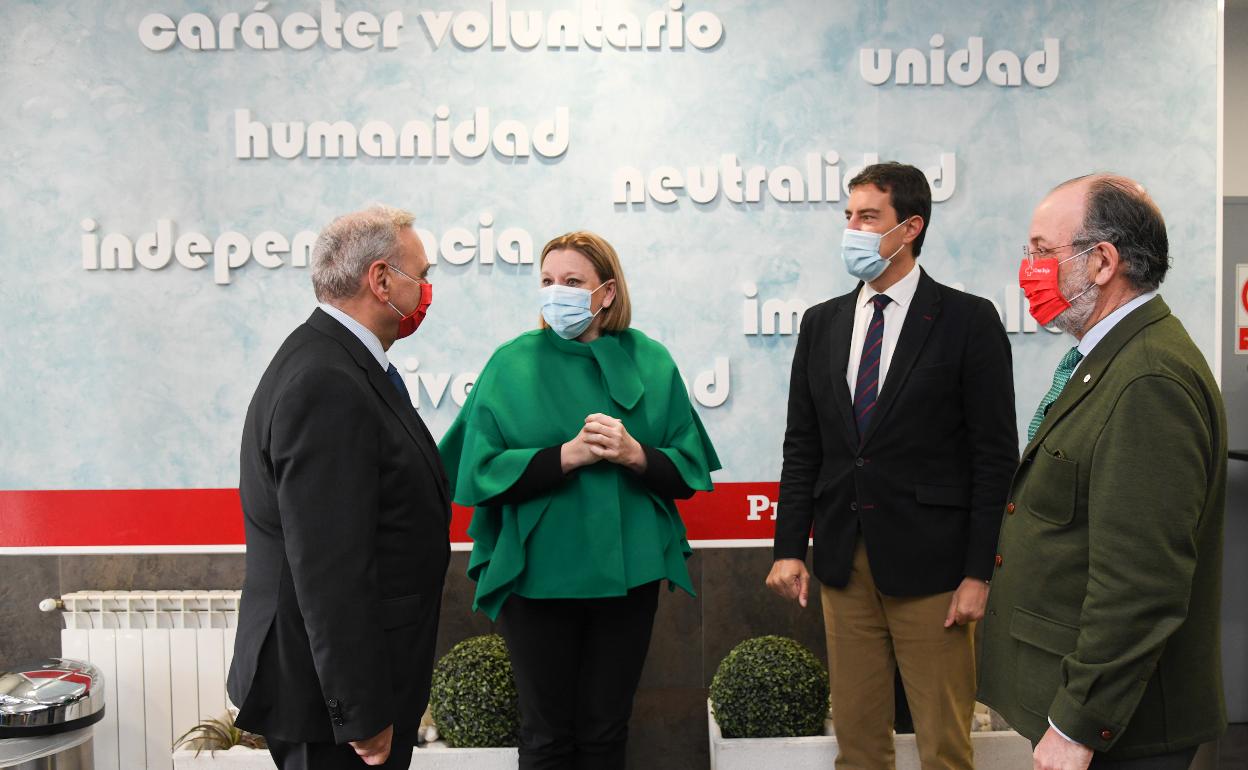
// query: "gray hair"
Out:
[1120,211]
[348,245]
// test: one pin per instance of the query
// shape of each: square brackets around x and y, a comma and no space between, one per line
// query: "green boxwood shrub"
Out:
[770,687]
[473,699]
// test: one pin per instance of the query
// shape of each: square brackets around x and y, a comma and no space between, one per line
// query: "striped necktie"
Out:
[867,387]
[1060,378]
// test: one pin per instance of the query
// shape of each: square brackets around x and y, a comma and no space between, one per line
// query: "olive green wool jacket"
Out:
[1104,608]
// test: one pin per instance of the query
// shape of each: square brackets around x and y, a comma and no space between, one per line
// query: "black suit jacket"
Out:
[927,483]
[347,517]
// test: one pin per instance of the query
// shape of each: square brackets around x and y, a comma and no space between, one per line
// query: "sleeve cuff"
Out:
[662,477]
[787,551]
[1081,725]
[1058,730]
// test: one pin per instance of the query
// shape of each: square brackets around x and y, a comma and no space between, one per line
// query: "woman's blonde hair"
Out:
[607,265]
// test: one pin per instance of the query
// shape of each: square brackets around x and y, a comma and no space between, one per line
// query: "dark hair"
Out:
[908,192]
[1121,212]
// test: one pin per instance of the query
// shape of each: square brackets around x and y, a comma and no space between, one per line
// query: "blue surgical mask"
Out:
[566,309]
[861,251]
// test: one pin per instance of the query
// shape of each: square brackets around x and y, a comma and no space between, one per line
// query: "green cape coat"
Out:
[600,532]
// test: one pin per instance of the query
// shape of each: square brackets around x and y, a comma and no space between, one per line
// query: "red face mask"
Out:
[1038,279]
[411,322]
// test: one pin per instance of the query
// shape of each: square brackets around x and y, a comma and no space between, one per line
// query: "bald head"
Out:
[1118,210]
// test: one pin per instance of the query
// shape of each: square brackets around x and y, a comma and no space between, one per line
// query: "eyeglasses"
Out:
[405,275]
[1032,256]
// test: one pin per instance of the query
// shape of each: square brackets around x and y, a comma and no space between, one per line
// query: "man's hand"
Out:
[968,602]
[375,750]
[789,578]
[1054,752]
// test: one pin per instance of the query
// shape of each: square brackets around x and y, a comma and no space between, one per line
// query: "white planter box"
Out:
[996,750]
[237,758]
[433,756]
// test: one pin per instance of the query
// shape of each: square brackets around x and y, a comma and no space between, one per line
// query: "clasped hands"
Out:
[602,437]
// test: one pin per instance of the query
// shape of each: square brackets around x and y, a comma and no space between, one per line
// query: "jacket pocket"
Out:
[1052,487]
[942,494]
[1041,644]
[400,611]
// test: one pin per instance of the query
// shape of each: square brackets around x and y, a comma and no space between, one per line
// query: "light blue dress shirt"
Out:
[361,331]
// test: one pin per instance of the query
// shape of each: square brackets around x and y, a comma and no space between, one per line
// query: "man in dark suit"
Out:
[1101,642]
[899,447]
[347,517]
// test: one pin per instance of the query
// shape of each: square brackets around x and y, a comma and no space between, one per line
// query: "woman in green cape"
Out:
[572,446]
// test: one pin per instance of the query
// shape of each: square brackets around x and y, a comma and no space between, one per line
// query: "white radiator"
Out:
[164,656]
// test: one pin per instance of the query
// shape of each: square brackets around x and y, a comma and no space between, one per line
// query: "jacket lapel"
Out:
[920,318]
[842,332]
[415,426]
[1094,366]
[403,410]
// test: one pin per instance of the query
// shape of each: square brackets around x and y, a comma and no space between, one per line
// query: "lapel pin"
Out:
[1087,377]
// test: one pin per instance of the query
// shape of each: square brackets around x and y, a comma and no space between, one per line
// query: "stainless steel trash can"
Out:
[46,713]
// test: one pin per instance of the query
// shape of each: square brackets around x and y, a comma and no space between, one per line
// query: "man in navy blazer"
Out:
[900,443]
[347,517]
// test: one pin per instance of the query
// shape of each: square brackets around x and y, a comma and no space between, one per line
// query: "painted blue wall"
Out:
[140,377]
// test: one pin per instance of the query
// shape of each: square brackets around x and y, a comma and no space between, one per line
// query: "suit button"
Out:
[853,506]
[997,560]
[1106,735]
[860,462]
[333,703]
[1009,508]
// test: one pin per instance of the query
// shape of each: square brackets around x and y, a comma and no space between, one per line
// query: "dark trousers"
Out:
[577,663]
[1175,760]
[329,756]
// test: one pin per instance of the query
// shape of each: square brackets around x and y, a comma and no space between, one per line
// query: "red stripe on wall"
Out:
[190,517]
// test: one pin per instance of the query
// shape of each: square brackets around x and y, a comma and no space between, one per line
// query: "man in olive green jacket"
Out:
[1101,640]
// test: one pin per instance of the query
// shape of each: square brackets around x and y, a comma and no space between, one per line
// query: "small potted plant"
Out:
[474,708]
[226,744]
[768,707]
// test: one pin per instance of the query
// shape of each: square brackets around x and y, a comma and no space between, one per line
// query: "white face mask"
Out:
[566,309]
[861,251]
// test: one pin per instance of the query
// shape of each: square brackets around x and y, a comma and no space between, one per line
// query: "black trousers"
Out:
[1175,760]
[577,663]
[329,756]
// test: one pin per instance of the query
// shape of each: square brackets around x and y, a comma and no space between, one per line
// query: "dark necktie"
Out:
[868,385]
[397,380]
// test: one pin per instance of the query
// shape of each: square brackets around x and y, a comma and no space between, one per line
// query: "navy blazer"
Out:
[925,486]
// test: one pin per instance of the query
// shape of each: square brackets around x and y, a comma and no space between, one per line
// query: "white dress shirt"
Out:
[1103,326]
[362,332]
[902,294]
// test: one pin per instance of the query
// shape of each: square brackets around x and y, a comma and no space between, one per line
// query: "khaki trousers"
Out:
[869,635]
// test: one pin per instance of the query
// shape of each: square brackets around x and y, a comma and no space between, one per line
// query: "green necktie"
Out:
[1060,378]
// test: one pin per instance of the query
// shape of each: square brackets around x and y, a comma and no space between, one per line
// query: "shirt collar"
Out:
[901,292]
[361,331]
[1103,326]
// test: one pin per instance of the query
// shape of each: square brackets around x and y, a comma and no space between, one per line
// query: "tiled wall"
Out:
[691,635]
